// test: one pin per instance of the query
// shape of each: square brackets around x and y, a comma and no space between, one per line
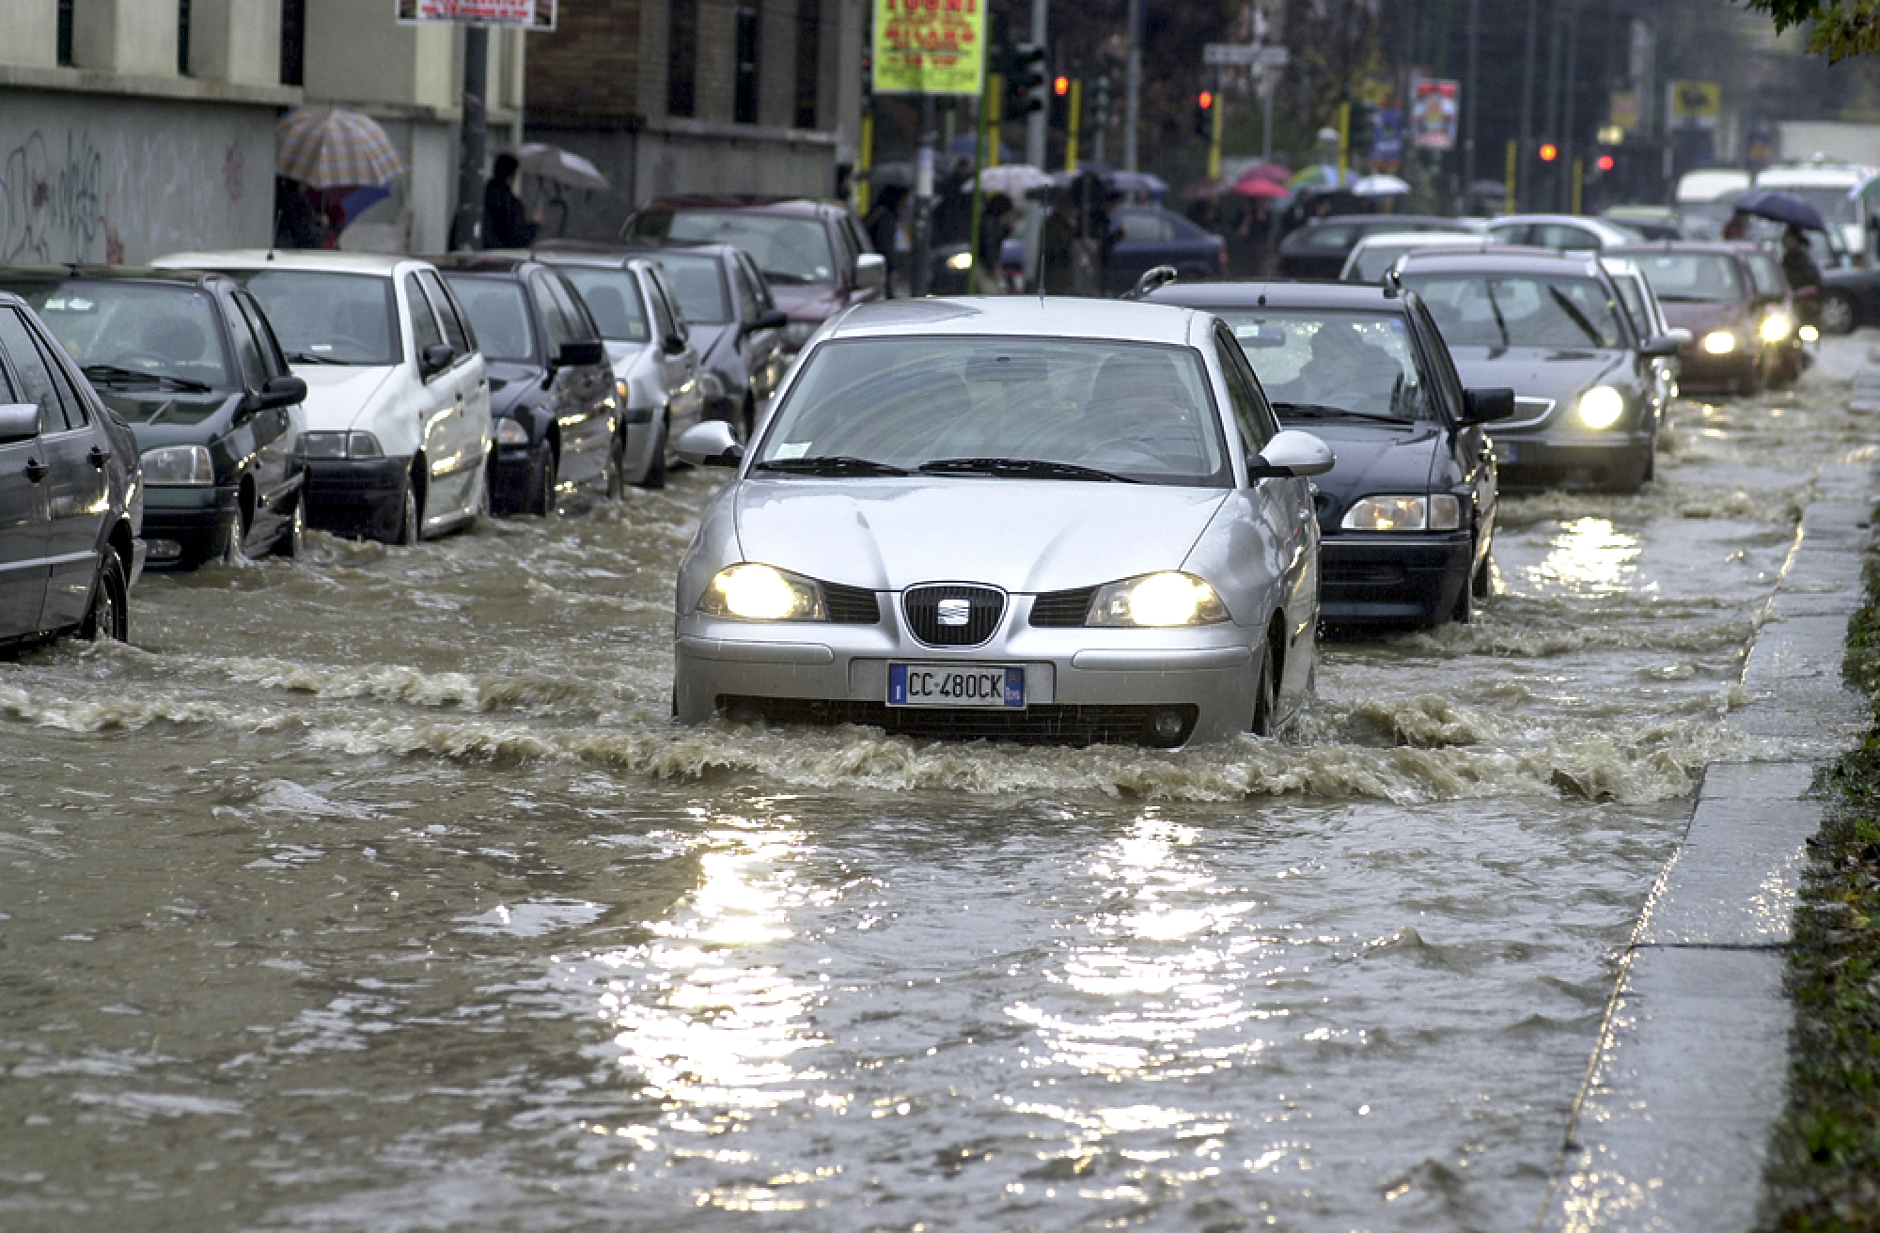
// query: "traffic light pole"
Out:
[1132,85]
[923,197]
[1035,122]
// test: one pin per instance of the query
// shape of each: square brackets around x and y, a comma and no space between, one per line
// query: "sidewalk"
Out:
[1672,1123]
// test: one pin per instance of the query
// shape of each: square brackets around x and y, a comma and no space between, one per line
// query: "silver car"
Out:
[1066,520]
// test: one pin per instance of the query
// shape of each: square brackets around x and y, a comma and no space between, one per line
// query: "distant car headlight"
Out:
[960,261]
[1601,407]
[179,466]
[1157,601]
[753,592]
[796,333]
[1776,327]
[340,445]
[1440,512]
[1809,333]
[511,431]
[1719,342]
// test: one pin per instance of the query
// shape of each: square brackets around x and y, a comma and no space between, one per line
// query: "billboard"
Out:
[1435,112]
[929,46]
[528,14]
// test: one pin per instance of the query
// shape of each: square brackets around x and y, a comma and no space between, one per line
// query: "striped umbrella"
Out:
[325,147]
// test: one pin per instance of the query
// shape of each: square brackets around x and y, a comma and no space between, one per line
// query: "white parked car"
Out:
[398,404]
[1374,255]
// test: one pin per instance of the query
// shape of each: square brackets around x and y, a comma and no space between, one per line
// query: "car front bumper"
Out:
[183,524]
[1081,685]
[1392,580]
[357,496]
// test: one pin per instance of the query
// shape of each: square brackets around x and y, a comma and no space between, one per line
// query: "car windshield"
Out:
[1700,277]
[788,249]
[699,286]
[326,318]
[126,334]
[1045,407]
[613,297]
[1315,361]
[499,315]
[1519,310]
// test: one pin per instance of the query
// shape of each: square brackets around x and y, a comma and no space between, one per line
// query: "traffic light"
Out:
[1605,162]
[1060,103]
[1029,76]
[1204,115]
[1549,151]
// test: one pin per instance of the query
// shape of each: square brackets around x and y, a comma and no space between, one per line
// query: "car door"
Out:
[74,453]
[23,514]
[274,431]
[762,349]
[678,370]
[441,409]
[459,465]
[580,391]
[1473,449]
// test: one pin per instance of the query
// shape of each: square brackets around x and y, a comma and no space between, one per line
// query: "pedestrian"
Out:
[506,224]
[296,223]
[995,223]
[1798,266]
[1737,226]
[1056,275]
[883,225]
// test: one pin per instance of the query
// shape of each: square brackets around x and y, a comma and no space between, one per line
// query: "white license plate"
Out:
[1506,452]
[980,685]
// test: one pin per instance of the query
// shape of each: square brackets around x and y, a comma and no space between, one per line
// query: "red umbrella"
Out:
[1267,171]
[1253,186]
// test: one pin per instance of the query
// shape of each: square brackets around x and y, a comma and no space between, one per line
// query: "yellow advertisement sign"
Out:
[929,46]
[1696,102]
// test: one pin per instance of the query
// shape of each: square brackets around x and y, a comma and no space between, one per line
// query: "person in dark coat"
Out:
[1798,266]
[506,224]
[883,225]
[296,223]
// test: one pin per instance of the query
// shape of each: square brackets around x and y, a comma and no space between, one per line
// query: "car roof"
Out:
[1435,239]
[637,246]
[111,273]
[493,261]
[1019,315]
[737,201]
[287,259]
[1646,249]
[1506,257]
[1217,295]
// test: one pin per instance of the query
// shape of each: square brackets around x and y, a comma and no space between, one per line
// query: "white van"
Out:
[1826,187]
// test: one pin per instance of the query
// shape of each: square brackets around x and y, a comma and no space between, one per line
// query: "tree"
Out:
[1843,28]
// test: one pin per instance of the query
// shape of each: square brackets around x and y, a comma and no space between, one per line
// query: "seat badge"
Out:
[955,612]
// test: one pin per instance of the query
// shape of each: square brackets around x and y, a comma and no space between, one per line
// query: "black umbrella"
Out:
[1783,208]
[899,174]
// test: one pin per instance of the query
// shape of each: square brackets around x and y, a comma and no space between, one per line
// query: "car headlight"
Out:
[1439,512]
[960,261]
[179,465]
[1157,600]
[1776,327]
[1810,334]
[1719,342]
[511,431]
[340,445]
[1601,407]
[753,592]
[796,333]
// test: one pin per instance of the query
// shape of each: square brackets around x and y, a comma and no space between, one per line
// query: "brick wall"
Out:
[589,68]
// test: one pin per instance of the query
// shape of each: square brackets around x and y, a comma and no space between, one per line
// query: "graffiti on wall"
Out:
[75,198]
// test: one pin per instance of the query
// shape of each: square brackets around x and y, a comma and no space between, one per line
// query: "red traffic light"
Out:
[1204,100]
[1549,151]
[1605,162]
[1061,86]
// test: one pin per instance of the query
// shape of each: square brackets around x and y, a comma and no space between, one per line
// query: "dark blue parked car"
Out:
[1152,236]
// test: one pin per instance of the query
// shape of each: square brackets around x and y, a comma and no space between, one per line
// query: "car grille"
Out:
[1050,724]
[931,617]
[850,605]
[1062,609]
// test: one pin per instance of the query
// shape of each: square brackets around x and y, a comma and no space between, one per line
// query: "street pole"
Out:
[467,231]
[1569,147]
[1269,86]
[1469,99]
[1132,84]
[1035,122]
[1527,90]
[923,196]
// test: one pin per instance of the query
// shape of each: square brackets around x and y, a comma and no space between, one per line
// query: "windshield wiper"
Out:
[308,357]
[1495,307]
[111,373]
[1572,310]
[1019,468]
[1320,410]
[830,464]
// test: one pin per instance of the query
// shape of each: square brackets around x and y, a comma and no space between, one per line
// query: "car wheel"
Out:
[1838,314]
[293,541]
[1265,691]
[410,521]
[1463,612]
[547,479]
[109,616]
[233,550]
[617,464]
[656,465]
[1482,581]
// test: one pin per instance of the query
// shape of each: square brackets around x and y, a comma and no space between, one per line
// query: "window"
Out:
[65,33]
[1251,412]
[455,331]
[808,60]
[498,313]
[293,42]
[424,329]
[555,319]
[612,296]
[35,381]
[182,38]
[71,403]
[681,58]
[664,319]
[248,353]
[744,108]
[329,318]
[271,358]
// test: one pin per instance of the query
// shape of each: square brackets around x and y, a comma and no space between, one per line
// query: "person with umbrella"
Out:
[1798,266]
[506,224]
[883,226]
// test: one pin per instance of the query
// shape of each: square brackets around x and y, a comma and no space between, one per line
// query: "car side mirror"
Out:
[1663,346]
[19,421]
[435,358]
[674,343]
[581,351]
[871,271]
[1487,406]
[278,392]
[710,443]
[1291,454]
[775,319]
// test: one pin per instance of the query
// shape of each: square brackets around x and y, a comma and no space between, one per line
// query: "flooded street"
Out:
[378,891]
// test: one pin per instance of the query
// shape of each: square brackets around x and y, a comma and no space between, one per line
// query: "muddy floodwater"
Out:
[379,892]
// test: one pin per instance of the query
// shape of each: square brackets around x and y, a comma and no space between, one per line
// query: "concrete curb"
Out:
[1671,1126]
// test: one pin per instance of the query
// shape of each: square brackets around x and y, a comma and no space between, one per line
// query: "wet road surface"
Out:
[377,891]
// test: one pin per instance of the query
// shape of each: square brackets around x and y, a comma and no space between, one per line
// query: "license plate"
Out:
[980,685]
[1506,452]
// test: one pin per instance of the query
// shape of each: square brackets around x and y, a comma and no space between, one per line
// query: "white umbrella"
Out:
[546,162]
[1379,186]
[1012,179]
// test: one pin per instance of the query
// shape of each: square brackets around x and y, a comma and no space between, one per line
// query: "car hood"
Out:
[512,383]
[808,301]
[1372,459]
[1535,372]
[159,417]
[339,396]
[1702,316]
[1021,535]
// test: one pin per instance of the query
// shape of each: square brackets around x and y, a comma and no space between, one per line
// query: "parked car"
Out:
[188,360]
[1549,326]
[814,255]
[1568,232]
[1009,517]
[1373,255]
[736,325]
[657,375]
[1650,221]
[1319,249]
[1407,516]
[71,496]
[557,417]
[398,422]
[1148,236]
[1707,288]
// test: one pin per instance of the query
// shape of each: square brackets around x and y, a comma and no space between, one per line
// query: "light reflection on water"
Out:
[1590,556]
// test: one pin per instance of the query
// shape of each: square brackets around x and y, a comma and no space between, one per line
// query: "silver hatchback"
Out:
[1008,518]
